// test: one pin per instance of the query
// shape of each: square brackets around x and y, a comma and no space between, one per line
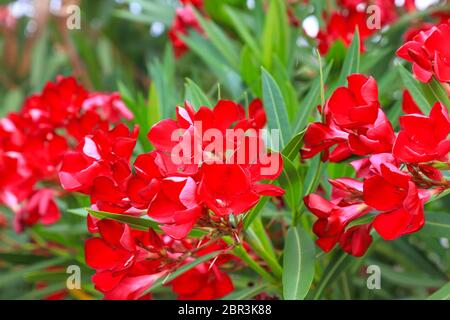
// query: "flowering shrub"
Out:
[282,166]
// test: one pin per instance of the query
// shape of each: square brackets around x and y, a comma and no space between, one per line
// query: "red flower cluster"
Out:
[128,261]
[177,195]
[355,123]
[184,20]
[34,140]
[429,53]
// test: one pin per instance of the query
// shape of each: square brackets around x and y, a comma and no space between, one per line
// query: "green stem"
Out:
[240,252]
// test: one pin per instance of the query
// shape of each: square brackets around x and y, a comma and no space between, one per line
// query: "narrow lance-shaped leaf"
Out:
[351,62]
[436,225]
[275,108]
[299,260]
[195,96]
[291,182]
[442,294]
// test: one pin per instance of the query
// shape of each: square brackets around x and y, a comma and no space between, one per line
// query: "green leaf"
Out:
[442,294]
[246,294]
[250,71]
[351,62]
[291,182]
[438,92]
[152,11]
[39,294]
[242,30]
[134,222]
[206,51]
[436,225]
[195,96]
[260,243]
[409,279]
[311,100]
[21,258]
[339,263]
[137,223]
[275,108]
[163,80]
[292,149]
[414,89]
[314,175]
[9,277]
[253,213]
[299,260]
[11,101]
[275,37]
[220,40]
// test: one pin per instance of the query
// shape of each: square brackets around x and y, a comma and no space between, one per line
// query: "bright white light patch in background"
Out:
[311,26]
[251,4]
[135,8]
[444,243]
[156,29]
[399,3]
[423,4]
[21,8]
[55,6]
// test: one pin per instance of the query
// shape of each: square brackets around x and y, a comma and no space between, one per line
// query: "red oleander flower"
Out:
[257,118]
[356,105]
[388,8]
[222,117]
[95,156]
[108,106]
[367,167]
[354,123]
[394,193]
[422,138]
[232,189]
[413,31]
[58,102]
[202,283]
[429,54]
[110,193]
[41,207]
[376,138]
[333,219]
[16,179]
[195,3]
[341,27]
[216,135]
[176,206]
[127,261]
[184,20]
[206,281]
[356,240]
